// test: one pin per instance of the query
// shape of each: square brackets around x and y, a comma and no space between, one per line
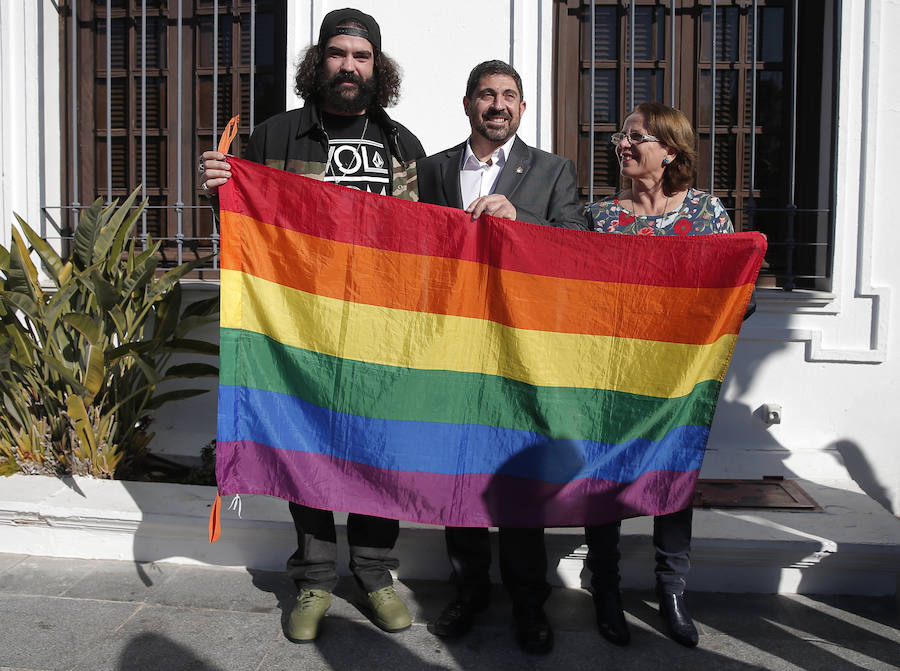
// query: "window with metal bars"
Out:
[141,79]
[771,112]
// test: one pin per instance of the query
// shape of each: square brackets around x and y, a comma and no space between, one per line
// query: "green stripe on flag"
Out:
[387,392]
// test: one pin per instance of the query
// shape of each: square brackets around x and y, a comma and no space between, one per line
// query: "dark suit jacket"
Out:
[541,186]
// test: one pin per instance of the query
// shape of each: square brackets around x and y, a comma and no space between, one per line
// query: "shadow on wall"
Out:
[737,425]
[861,471]
[174,524]
[767,454]
[182,428]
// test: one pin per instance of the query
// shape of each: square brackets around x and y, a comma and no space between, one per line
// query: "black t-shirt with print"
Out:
[357,156]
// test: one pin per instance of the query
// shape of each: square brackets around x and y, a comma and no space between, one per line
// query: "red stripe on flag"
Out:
[345,215]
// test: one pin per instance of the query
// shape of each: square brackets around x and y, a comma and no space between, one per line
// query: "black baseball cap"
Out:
[330,27]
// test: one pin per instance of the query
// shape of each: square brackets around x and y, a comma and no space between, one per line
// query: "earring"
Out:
[666,161]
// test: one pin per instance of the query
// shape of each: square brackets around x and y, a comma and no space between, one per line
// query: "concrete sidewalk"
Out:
[97,615]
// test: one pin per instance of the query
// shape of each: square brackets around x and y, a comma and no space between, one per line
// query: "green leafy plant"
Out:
[81,361]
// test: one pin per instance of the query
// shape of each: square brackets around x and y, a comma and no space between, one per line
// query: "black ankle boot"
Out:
[458,617]
[610,617]
[679,624]
[533,633]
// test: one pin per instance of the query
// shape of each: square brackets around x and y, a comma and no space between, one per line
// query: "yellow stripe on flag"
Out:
[440,342]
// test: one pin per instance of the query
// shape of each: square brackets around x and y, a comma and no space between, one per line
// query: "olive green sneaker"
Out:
[303,623]
[386,610]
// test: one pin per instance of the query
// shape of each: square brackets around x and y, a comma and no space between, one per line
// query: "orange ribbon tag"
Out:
[228,134]
[215,522]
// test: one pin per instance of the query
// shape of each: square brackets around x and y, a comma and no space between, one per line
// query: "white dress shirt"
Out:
[478,179]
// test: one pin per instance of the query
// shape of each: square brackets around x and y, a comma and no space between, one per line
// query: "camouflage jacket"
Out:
[295,141]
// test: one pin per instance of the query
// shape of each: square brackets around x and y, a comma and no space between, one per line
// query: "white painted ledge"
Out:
[852,547]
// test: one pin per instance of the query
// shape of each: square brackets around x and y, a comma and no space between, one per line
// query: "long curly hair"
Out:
[386,74]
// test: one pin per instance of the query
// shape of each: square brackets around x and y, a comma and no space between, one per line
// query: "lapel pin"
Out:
[520,170]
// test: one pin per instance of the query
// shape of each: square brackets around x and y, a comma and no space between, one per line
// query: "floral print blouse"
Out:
[700,213]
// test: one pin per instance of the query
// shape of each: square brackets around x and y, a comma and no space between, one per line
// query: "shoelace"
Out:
[309,599]
[383,596]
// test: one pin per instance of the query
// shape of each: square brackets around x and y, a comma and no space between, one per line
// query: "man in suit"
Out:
[495,173]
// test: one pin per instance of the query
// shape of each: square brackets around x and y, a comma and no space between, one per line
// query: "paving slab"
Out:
[864,611]
[646,651]
[160,637]
[880,656]
[414,648]
[795,653]
[51,632]
[105,615]
[47,576]
[120,580]
[8,560]
[725,652]
[751,614]
[351,644]
[232,590]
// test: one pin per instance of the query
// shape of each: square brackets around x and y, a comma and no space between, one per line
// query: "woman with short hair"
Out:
[655,149]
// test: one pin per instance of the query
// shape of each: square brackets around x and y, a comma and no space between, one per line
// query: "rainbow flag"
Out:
[397,359]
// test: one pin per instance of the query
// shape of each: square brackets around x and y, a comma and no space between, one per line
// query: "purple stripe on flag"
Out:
[434,498]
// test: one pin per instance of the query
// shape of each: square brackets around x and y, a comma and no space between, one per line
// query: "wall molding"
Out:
[878,297]
[851,548]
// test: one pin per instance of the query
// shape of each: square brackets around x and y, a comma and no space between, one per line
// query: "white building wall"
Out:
[29,114]
[830,360]
[437,44]
[832,364]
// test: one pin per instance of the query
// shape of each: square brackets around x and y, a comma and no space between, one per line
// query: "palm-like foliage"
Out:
[81,361]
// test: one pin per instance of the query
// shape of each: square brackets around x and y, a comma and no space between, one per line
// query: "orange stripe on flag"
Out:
[438,285]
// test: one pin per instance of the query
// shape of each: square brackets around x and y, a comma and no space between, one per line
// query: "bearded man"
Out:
[341,135]
[496,173]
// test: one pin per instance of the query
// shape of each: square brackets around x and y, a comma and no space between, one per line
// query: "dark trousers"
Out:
[371,539]
[523,564]
[671,539]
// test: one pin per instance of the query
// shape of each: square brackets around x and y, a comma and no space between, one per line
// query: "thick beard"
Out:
[329,94]
[495,134]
